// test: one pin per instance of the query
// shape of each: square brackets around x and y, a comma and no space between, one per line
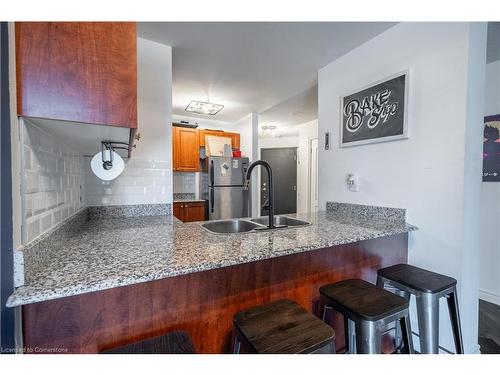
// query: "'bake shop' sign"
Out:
[376,113]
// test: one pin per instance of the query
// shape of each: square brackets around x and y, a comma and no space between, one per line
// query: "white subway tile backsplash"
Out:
[31,182]
[142,182]
[39,203]
[153,190]
[32,228]
[53,179]
[45,182]
[45,222]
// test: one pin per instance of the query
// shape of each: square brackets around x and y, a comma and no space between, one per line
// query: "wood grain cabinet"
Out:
[235,140]
[205,132]
[186,149]
[189,211]
[78,71]
[235,137]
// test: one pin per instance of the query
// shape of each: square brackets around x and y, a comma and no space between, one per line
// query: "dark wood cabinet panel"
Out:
[189,211]
[78,71]
[203,303]
[194,211]
[179,211]
[186,149]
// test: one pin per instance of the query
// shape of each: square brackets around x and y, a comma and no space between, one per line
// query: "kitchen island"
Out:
[116,280]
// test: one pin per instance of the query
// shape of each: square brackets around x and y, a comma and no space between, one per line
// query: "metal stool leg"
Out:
[406,333]
[428,322]
[350,335]
[236,343]
[380,282]
[398,335]
[368,337]
[452,300]
[327,349]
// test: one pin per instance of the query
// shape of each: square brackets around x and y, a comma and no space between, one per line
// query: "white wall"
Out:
[249,145]
[148,174]
[429,174]
[307,131]
[489,283]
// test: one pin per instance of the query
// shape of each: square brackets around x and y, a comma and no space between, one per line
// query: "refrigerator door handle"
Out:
[212,174]
[212,197]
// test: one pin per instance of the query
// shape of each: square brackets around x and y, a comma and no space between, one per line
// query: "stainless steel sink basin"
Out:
[281,220]
[230,226]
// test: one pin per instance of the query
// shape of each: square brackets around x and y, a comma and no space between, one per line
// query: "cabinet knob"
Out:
[138,136]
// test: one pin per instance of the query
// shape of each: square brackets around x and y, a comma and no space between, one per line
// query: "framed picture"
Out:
[491,149]
[375,113]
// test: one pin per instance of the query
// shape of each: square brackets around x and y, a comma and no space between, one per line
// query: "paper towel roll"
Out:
[107,174]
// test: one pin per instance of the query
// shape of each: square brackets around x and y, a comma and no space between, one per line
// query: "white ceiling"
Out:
[253,66]
[296,110]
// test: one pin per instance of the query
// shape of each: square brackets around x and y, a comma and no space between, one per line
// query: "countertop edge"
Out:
[15,300]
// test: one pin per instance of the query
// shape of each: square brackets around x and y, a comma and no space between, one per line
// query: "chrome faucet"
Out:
[270,206]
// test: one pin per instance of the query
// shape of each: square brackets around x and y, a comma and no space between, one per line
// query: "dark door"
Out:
[283,162]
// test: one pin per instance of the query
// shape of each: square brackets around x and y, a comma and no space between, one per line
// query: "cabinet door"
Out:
[204,132]
[78,71]
[235,140]
[186,149]
[194,211]
[179,211]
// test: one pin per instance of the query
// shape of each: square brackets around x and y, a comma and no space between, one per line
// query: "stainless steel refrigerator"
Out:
[226,197]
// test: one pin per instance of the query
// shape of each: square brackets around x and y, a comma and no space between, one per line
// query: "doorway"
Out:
[313,175]
[283,162]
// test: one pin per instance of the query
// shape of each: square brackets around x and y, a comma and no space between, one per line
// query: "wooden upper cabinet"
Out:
[78,71]
[235,137]
[235,140]
[186,149]
[205,132]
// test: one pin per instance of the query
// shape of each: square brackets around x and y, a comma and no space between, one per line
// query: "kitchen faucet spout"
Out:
[269,171]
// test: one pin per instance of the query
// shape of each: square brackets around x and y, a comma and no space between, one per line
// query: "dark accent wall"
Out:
[6,253]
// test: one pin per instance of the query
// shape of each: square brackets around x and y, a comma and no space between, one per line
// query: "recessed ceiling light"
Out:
[203,108]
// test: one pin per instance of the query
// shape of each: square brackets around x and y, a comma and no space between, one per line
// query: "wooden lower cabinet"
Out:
[189,211]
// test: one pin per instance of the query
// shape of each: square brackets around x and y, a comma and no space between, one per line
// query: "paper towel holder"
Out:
[109,145]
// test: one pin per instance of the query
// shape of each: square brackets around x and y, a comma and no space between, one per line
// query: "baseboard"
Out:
[489,297]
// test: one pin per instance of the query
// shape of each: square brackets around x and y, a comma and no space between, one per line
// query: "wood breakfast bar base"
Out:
[202,303]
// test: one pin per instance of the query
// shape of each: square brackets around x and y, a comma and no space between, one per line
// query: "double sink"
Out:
[249,225]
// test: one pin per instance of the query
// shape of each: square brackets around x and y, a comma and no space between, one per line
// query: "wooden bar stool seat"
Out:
[282,327]
[367,311]
[172,343]
[427,287]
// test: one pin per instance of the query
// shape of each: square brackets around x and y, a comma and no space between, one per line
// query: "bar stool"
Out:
[427,287]
[178,342]
[282,327]
[368,311]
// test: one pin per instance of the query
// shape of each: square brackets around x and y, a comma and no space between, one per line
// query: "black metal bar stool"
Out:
[282,327]
[427,287]
[368,310]
[178,342]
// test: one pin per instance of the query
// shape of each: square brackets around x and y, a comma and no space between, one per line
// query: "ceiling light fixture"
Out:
[203,108]
[269,131]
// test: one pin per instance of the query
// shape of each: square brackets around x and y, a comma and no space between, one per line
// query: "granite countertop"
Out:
[105,253]
[186,198]
[189,200]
